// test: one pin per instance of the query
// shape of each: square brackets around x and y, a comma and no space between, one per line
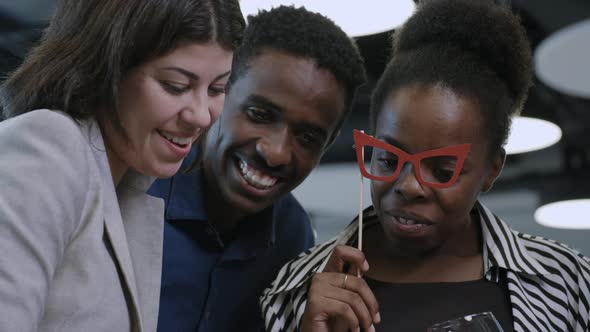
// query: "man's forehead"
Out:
[273,65]
[270,56]
[272,71]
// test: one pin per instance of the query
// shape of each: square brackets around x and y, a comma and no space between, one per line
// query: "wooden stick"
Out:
[360,240]
[360,232]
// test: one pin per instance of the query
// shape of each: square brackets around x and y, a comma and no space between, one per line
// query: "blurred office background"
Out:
[558,170]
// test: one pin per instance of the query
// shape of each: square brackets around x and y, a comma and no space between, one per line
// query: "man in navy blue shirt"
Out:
[232,223]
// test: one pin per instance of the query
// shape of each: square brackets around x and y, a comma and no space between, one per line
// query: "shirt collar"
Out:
[503,247]
[186,197]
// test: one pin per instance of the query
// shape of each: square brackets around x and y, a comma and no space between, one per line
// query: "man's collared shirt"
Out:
[209,285]
[548,283]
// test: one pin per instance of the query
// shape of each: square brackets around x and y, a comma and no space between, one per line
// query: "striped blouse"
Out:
[549,283]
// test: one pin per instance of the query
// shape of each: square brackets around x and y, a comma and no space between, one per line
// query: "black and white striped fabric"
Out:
[549,283]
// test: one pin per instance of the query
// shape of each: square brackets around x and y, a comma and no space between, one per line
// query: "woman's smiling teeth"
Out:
[256,178]
[406,221]
[410,222]
[182,141]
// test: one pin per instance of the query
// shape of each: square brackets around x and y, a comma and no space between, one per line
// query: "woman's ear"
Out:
[495,170]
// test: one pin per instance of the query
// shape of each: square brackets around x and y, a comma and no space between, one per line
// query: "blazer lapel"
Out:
[143,218]
[116,235]
[114,226]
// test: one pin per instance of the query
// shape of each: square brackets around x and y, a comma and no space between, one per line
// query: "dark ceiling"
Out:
[21,24]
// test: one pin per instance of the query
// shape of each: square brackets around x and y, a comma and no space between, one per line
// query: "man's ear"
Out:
[495,170]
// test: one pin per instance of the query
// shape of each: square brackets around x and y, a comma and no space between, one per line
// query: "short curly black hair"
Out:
[476,49]
[305,34]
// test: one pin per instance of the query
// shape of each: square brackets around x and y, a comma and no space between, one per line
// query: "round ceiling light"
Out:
[530,134]
[356,19]
[561,60]
[572,214]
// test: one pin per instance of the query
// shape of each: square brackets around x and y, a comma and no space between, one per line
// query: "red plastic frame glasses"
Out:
[457,151]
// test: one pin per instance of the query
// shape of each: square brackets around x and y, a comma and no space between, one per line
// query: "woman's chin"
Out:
[161,170]
[408,246]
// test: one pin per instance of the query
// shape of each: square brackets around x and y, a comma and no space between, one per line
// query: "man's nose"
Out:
[276,148]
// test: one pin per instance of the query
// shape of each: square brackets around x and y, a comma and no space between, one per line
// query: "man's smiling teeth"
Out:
[176,139]
[256,178]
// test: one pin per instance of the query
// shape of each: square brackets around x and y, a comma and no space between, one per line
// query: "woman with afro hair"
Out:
[440,116]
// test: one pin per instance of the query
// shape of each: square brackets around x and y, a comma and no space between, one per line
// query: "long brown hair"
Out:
[90,45]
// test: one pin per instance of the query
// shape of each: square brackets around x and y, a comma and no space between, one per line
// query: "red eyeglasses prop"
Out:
[438,168]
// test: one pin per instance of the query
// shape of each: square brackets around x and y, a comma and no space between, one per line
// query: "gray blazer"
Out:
[76,254]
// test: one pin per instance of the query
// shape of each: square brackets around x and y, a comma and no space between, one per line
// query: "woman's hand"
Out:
[338,300]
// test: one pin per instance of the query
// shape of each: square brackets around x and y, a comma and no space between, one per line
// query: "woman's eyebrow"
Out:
[184,72]
[391,141]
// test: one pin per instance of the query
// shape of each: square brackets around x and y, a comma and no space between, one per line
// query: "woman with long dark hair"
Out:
[113,96]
